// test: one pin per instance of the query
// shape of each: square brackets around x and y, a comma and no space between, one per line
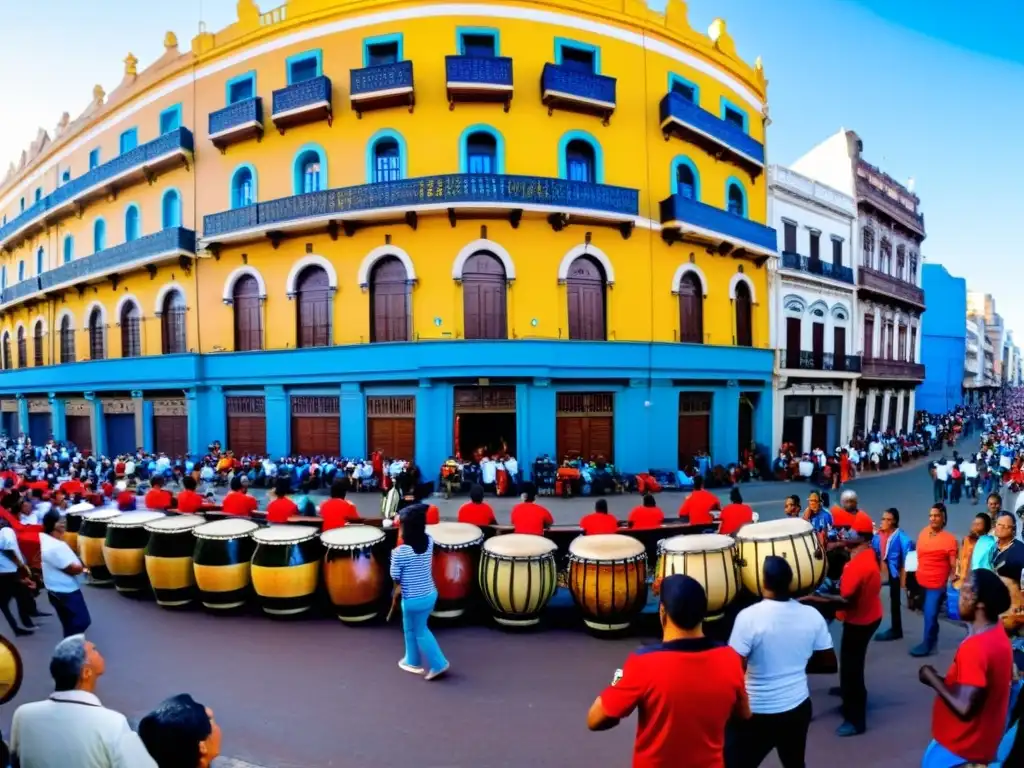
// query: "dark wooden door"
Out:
[691,309]
[247,424]
[694,425]
[484,293]
[79,429]
[394,437]
[819,431]
[794,331]
[586,299]
[389,301]
[839,347]
[248,315]
[585,436]
[869,337]
[120,433]
[170,435]
[313,308]
[818,344]
[316,435]
[744,326]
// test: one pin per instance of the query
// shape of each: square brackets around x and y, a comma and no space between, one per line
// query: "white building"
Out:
[813,309]
[974,357]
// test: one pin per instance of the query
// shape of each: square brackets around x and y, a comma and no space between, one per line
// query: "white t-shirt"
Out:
[56,556]
[9,543]
[942,471]
[777,638]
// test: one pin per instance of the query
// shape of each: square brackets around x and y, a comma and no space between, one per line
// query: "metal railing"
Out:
[811,266]
[572,82]
[819,361]
[306,93]
[875,280]
[383,77]
[479,70]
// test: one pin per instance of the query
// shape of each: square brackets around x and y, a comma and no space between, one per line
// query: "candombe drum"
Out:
[12,670]
[286,568]
[792,539]
[710,558]
[169,559]
[124,549]
[517,577]
[608,579]
[91,537]
[221,562]
[456,555]
[356,571]
[73,523]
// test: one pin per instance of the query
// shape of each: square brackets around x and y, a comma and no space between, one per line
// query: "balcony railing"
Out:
[442,192]
[811,266]
[24,289]
[873,280]
[236,122]
[125,169]
[913,221]
[683,218]
[383,85]
[819,361]
[681,117]
[301,103]
[571,89]
[479,78]
[892,369]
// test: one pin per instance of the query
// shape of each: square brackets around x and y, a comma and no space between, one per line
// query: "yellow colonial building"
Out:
[418,227]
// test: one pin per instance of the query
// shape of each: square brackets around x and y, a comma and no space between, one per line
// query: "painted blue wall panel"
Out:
[9,424]
[120,433]
[39,427]
[943,340]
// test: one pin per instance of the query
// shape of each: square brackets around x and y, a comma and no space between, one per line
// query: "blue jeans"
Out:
[932,601]
[71,610]
[418,637]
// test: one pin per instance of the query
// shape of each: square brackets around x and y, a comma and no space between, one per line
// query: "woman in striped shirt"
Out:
[411,569]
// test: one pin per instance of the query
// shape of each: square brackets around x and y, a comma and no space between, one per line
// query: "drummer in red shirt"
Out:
[157,498]
[281,508]
[237,501]
[476,511]
[735,515]
[699,505]
[647,515]
[337,511]
[528,516]
[599,521]
[189,502]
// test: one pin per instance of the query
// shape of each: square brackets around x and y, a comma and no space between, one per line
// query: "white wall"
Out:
[830,162]
[814,306]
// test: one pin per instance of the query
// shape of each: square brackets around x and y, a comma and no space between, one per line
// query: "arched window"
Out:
[389,301]
[691,309]
[67,340]
[686,181]
[65,177]
[172,324]
[387,160]
[99,235]
[96,334]
[313,303]
[737,200]
[248,314]
[481,153]
[580,161]
[69,248]
[310,171]
[21,271]
[585,292]
[171,209]
[131,224]
[22,348]
[37,344]
[131,330]
[744,316]
[484,292]
[7,350]
[40,261]
[3,278]
[243,188]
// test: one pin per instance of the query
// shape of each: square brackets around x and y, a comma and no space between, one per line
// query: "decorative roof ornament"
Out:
[62,124]
[248,12]
[131,65]
[721,38]
[98,94]
[170,41]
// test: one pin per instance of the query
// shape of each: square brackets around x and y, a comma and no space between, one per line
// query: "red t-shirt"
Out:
[598,522]
[530,517]
[733,517]
[477,514]
[72,487]
[189,502]
[646,517]
[279,510]
[698,506]
[336,512]
[686,691]
[861,584]
[934,558]
[125,500]
[984,661]
[158,498]
[238,503]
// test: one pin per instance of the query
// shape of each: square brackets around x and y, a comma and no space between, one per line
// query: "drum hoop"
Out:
[662,550]
[349,546]
[521,558]
[630,560]
[301,540]
[183,529]
[466,545]
[225,536]
[120,523]
[101,515]
[787,537]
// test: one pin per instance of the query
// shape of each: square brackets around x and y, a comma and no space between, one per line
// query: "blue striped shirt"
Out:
[413,571]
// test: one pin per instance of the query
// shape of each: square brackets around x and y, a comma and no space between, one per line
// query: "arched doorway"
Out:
[585,294]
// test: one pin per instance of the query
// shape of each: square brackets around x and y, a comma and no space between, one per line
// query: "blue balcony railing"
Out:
[25,288]
[444,191]
[384,77]
[174,142]
[689,215]
[479,70]
[575,84]
[817,267]
[242,113]
[305,94]
[675,108]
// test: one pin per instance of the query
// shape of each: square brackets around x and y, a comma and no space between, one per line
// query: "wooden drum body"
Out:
[286,568]
[710,558]
[221,562]
[124,549]
[518,576]
[608,580]
[91,537]
[792,539]
[456,556]
[356,571]
[73,523]
[169,559]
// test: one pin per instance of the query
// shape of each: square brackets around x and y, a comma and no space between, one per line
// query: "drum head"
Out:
[352,537]
[284,534]
[606,546]
[101,514]
[701,542]
[12,670]
[80,508]
[135,519]
[455,534]
[225,529]
[519,545]
[774,529]
[175,524]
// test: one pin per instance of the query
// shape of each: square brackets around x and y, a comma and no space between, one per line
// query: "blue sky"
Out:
[935,88]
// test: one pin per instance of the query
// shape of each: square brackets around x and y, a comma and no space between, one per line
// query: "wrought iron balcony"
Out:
[811,266]
[891,369]
[892,208]
[132,167]
[686,219]
[565,88]
[22,290]
[237,122]
[478,78]
[682,118]
[879,282]
[797,359]
[385,85]
[559,199]
[301,103]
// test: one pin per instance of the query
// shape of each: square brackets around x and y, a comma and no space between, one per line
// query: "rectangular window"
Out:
[304,66]
[94,159]
[170,119]
[789,236]
[129,140]
[480,163]
[903,342]
[579,57]
[837,252]
[241,88]
[684,88]
[733,114]
[378,51]
[815,245]
[478,43]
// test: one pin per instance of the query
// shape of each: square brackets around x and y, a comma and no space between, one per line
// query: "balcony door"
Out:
[839,347]
[869,337]
[818,345]
[793,334]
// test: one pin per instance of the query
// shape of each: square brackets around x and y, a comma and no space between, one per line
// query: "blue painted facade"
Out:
[646,380]
[943,340]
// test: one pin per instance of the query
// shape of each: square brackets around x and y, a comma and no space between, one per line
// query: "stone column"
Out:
[725,436]
[869,410]
[58,419]
[148,426]
[851,413]
[352,411]
[22,413]
[911,405]
[886,404]
[192,415]
[278,421]
[844,415]
[806,433]
[99,432]
[900,423]
[876,336]
[139,404]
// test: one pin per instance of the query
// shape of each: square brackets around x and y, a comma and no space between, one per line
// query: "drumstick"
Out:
[396,596]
